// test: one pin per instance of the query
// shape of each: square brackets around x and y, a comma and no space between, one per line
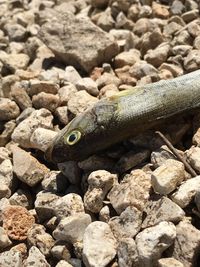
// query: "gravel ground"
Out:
[133,205]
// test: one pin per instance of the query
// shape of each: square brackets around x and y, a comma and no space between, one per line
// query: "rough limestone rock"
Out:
[63,34]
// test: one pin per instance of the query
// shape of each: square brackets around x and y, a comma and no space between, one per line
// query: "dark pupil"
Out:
[72,137]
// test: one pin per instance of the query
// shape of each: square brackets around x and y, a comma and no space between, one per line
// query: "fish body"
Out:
[123,115]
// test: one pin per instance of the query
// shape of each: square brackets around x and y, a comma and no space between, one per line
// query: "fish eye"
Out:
[72,138]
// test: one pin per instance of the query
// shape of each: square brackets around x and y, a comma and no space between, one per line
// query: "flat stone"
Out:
[99,245]
[98,46]
[150,245]
[17,221]
[185,193]
[162,210]
[27,168]
[100,182]
[133,190]
[72,228]
[37,86]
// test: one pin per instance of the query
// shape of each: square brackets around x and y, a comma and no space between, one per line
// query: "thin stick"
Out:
[175,152]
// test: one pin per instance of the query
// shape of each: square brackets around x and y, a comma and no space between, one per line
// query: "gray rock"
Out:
[38,118]
[36,258]
[106,79]
[162,210]
[37,236]
[72,228]
[100,182]
[24,114]
[4,240]
[8,109]
[187,244]
[133,190]
[45,205]
[22,198]
[190,15]
[127,224]
[61,251]
[99,245]
[71,170]
[67,205]
[104,214]
[177,7]
[105,20]
[152,241]
[68,30]
[16,32]
[127,253]
[27,168]
[55,182]
[11,258]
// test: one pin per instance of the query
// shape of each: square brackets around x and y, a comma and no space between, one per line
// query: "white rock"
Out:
[66,92]
[11,258]
[36,258]
[88,85]
[71,75]
[6,173]
[193,157]
[152,241]
[133,190]
[41,138]
[72,228]
[100,182]
[69,204]
[80,101]
[63,263]
[166,177]
[127,253]
[184,195]
[38,118]
[99,245]
[166,262]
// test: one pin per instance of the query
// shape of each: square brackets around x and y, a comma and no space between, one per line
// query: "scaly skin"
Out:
[126,114]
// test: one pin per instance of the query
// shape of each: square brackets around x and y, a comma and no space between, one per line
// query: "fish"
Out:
[124,115]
